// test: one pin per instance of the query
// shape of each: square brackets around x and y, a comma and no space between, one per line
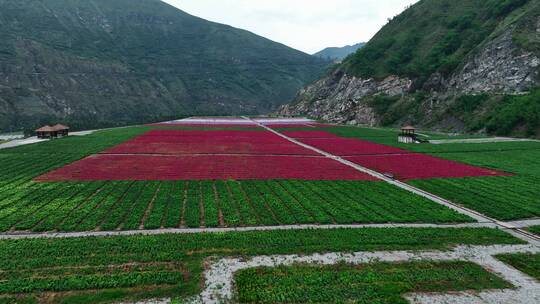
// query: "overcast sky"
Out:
[307,25]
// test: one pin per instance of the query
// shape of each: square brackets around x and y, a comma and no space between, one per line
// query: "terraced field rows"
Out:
[512,197]
[150,205]
[368,283]
[83,270]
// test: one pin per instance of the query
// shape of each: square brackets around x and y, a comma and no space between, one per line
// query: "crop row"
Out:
[203,167]
[505,198]
[527,263]
[81,206]
[176,260]
[367,283]
[209,142]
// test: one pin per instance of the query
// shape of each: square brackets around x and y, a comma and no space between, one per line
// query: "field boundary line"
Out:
[234,202]
[480,140]
[178,155]
[106,216]
[308,212]
[219,278]
[217,199]
[524,223]
[184,190]
[150,206]
[59,235]
[88,198]
[517,232]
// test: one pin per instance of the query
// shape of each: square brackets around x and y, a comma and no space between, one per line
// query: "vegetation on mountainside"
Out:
[339,53]
[513,112]
[112,269]
[429,43]
[503,115]
[109,63]
[432,36]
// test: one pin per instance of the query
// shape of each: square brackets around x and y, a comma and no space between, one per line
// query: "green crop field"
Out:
[527,263]
[504,197]
[534,229]
[26,205]
[82,270]
[123,268]
[367,283]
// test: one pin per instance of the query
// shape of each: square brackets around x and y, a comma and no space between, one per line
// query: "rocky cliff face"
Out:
[340,98]
[499,67]
[440,64]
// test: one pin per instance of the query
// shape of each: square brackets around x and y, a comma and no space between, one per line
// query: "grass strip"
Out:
[527,263]
[366,283]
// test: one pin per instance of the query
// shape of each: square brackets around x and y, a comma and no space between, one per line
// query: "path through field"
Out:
[220,276]
[202,176]
[518,232]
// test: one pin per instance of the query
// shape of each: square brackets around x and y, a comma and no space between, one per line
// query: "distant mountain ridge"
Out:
[91,63]
[464,65]
[339,53]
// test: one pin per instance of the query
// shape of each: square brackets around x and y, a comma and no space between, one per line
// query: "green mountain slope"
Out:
[101,62]
[339,53]
[452,65]
[431,36]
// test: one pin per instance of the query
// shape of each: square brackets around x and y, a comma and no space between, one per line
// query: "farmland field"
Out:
[535,229]
[136,194]
[528,263]
[112,205]
[173,179]
[510,197]
[83,270]
[367,283]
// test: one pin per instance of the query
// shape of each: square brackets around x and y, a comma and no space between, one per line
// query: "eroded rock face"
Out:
[501,67]
[339,98]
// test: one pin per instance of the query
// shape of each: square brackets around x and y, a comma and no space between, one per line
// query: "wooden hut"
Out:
[55,131]
[407,135]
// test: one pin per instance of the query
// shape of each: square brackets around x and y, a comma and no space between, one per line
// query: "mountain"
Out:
[463,65]
[339,53]
[90,63]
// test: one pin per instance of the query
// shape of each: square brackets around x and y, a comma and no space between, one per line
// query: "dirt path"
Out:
[21,142]
[59,235]
[219,277]
[477,140]
[517,232]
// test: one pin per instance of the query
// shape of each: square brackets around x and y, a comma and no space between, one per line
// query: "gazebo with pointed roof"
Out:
[407,135]
[55,131]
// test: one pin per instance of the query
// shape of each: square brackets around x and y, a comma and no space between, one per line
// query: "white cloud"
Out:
[307,25]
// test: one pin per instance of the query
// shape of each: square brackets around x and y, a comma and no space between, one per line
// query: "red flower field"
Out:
[211,133]
[309,134]
[350,146]
[203,167]
[209,142]
[420,166]
[234,154]
[294,125]
[206,125]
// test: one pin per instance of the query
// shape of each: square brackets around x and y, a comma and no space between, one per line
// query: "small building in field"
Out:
[407,135]
[55,131]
